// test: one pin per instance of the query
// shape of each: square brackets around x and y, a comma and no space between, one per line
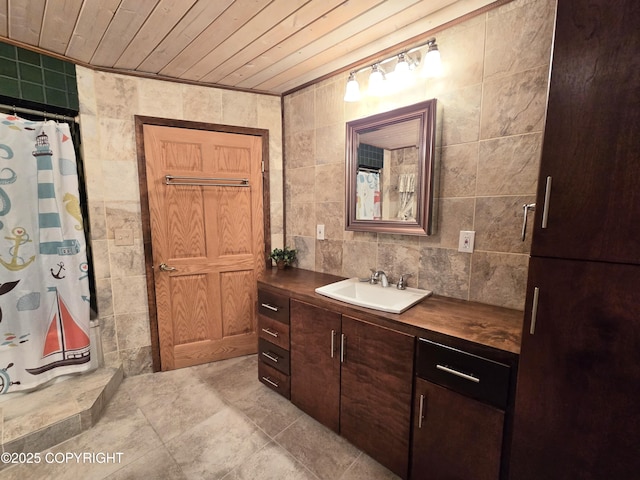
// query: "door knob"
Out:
[166,268]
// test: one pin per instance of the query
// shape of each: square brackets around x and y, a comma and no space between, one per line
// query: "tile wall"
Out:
[493,95]
[108,103]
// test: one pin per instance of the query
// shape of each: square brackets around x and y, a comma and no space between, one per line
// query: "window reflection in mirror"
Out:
[390,160]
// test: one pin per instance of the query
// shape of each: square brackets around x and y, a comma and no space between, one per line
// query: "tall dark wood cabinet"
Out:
[577,413]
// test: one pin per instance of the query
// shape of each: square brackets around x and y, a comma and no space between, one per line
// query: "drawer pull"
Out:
[534,310]
[270,307]
[271,356]
[270,382]
[343,340]
[421,415]
[273,333]
[471,378]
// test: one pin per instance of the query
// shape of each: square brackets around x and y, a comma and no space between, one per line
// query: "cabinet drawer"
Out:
[274,379]
[274,331]
[471,375]
[273,306]
[274,356]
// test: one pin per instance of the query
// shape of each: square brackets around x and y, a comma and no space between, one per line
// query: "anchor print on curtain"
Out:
[44,284]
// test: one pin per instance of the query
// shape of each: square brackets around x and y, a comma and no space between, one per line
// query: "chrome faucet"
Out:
[402,283]
[379,276]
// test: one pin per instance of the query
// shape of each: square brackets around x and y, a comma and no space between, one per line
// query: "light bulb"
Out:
[432,65]
[352,94]
[376,82]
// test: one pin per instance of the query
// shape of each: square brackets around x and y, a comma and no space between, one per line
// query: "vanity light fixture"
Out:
[353,89]
[400,77]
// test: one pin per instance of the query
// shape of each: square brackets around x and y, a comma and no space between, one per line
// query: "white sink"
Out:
[387,299]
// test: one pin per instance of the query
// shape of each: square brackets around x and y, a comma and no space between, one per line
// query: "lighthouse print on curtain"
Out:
[44,285]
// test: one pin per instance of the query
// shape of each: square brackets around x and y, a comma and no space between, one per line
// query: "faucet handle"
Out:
[374,276]
[402,282]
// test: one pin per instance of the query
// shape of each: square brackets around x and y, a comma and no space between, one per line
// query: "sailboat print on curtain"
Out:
[66,342]
[44,321]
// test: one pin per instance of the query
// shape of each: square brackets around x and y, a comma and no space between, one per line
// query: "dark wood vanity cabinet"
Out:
[273,344]
[315,355]
[459,408]
[356,378]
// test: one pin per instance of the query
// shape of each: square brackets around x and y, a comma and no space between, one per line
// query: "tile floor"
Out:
[213,421]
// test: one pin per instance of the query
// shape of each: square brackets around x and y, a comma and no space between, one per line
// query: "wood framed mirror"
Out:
[390,160]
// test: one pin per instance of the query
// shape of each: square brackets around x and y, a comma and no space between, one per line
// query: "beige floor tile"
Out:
[322,451]
[213,448]
[271,463]
[156,465]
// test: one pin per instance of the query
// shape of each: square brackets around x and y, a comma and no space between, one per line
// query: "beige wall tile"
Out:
[509,165]
[514,104]
[461,115]
[445,272]
[498,224]
[499,279]
[458,170]
[329,184]
[519,37]
[329,256]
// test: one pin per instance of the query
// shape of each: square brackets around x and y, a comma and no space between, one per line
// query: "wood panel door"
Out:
[377,379]
[207,240]
[315,362]
[576,412]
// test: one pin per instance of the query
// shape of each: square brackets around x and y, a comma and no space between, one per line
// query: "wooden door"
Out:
[377,379]
[576,411]
[315,362]
[207,229]
[591,147]
[457,438]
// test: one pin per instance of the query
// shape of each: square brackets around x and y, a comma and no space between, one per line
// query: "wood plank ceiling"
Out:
[272,46]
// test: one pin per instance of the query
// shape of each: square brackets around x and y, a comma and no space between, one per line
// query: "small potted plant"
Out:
[283,256]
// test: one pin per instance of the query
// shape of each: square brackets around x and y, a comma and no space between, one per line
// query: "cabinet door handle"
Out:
[547,197]
[268,331]
[270,307]
[333,342]
[421,414]
[271,356]
[270,382]
[471,378]
[343,341]
[534,310]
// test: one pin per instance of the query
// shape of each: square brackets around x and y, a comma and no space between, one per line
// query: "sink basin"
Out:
[386,299]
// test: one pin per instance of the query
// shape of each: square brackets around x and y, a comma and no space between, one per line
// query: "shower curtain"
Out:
[44,286]
[368,196]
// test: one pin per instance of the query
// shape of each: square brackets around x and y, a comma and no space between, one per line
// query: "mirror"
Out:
[390,171]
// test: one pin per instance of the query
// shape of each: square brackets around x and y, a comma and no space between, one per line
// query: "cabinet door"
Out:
[315,362]
[377,376]
[577,410]
[591,149]
[454,437]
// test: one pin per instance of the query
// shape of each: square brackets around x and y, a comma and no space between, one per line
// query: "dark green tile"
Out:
[8,68]
[74,104]
[7,51]
[53,64]
[32,92]
[56,97]
[27,56]
[29,73]
[54,80]
[9,87]
[69,68]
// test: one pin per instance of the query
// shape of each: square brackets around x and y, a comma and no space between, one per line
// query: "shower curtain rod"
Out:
[42,113]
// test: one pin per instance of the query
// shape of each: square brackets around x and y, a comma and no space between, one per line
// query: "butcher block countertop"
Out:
[457,323]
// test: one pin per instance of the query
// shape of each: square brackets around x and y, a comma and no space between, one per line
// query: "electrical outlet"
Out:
[465,244]
[319,232]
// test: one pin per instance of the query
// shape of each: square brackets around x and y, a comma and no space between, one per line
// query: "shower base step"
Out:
[37,420]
